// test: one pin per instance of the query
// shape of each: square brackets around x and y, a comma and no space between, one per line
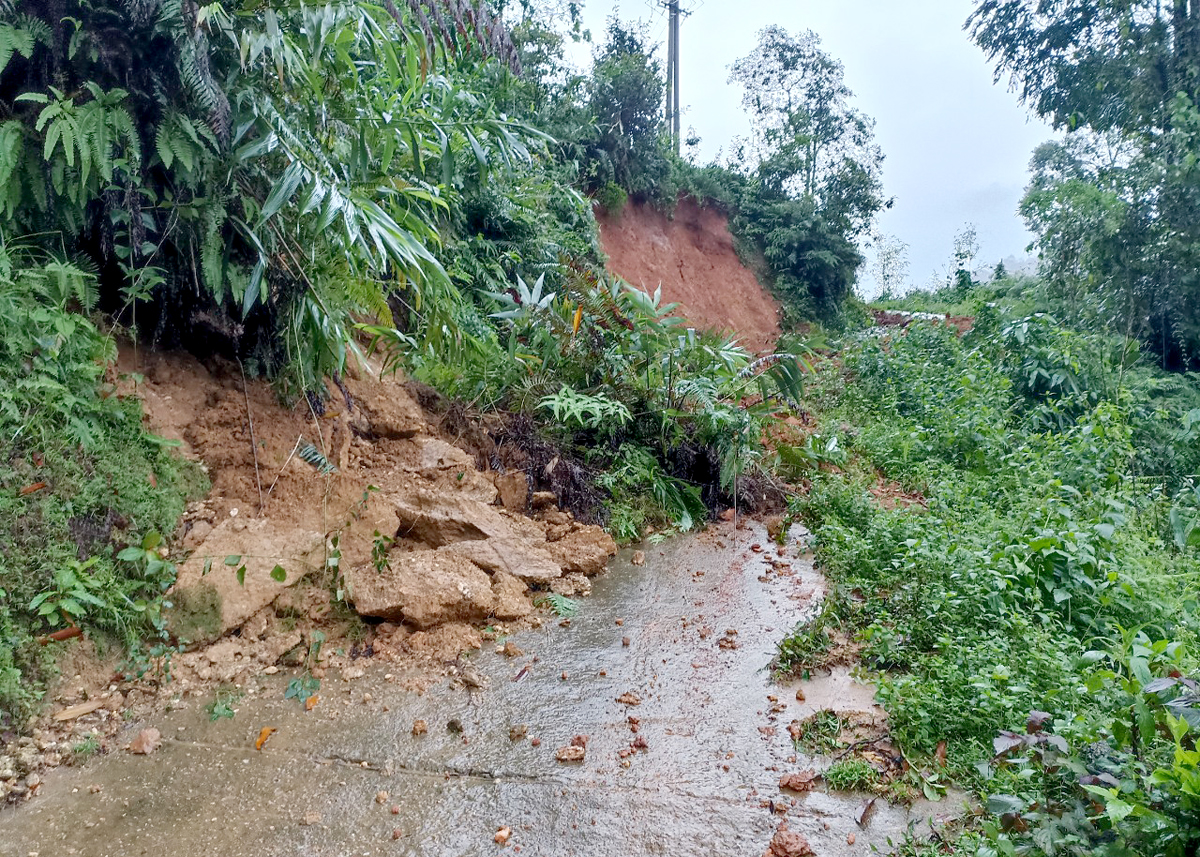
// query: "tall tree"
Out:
[1114,205]
[805,135]
[815,168]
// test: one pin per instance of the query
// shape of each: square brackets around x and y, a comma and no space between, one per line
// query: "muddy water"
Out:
[706,782]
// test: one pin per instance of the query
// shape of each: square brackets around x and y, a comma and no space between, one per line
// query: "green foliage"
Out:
[560,605]
[819,734]
[1050,572]
[1113,204]
[86,490]
[851,774]
[221,708]
[214,171]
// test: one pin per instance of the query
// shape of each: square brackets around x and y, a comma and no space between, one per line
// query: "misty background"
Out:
[956,144]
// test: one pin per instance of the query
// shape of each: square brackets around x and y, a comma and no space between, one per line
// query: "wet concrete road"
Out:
[698,787]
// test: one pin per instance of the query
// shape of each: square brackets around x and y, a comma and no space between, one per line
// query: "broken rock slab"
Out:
[425,588]
[514,490]
[207,606]
[526,558]
[511,602]
[585,550]
[442,519]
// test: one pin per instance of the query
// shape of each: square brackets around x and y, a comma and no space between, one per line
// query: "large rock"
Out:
[440,519]
[514,490]
[585,550]
[425,588]
[511,602]
[206,606]
[522,557]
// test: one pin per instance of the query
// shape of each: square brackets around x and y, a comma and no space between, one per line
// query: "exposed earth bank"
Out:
[691,255]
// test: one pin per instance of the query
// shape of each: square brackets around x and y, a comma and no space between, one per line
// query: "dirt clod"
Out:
[804,781]
[146,742]
[570,754]
[629,698]
[789,843]
[502,836]
[419,727]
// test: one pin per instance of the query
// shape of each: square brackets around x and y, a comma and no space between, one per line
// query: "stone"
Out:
[514,490]
[439,519]
[383,409]
[543,499]
[199,531]
[525,558]
[586,550]
[570,754]
[146,742]
[571,585]
[789,843]
[510,600]
[207,607]
[425,588]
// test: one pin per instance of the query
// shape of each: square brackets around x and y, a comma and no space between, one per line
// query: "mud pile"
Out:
[359,495]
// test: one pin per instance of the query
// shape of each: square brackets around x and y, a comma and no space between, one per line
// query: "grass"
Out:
[851,775]
[818,735]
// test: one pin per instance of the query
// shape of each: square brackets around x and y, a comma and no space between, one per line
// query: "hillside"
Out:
[692,256]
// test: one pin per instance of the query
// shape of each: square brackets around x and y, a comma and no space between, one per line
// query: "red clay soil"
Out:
[890,318]
[692,257]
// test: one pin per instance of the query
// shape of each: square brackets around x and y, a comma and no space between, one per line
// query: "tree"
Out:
[890,265]
[276,170]
[1114,205]
[625,96]
[805,136]
[813,167]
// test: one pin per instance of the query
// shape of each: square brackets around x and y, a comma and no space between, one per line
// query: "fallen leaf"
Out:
[146,742]
[502,836]
[29,489]
[311,702]
[265,733]
[419,727]
[865,812]
[629,698]
[940,754]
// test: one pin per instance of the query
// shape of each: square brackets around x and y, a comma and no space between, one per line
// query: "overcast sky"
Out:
[956,145]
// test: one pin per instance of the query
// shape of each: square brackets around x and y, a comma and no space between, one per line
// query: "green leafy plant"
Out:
[560,605]
[305,685]
[222,705]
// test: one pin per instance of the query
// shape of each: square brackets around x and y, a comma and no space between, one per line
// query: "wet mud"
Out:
[687,763]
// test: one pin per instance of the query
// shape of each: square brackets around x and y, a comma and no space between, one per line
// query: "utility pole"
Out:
[673,72]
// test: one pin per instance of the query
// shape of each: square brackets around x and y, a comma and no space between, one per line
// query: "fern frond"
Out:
[311,455]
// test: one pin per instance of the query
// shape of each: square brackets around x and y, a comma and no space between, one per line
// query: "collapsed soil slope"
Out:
[692,257]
